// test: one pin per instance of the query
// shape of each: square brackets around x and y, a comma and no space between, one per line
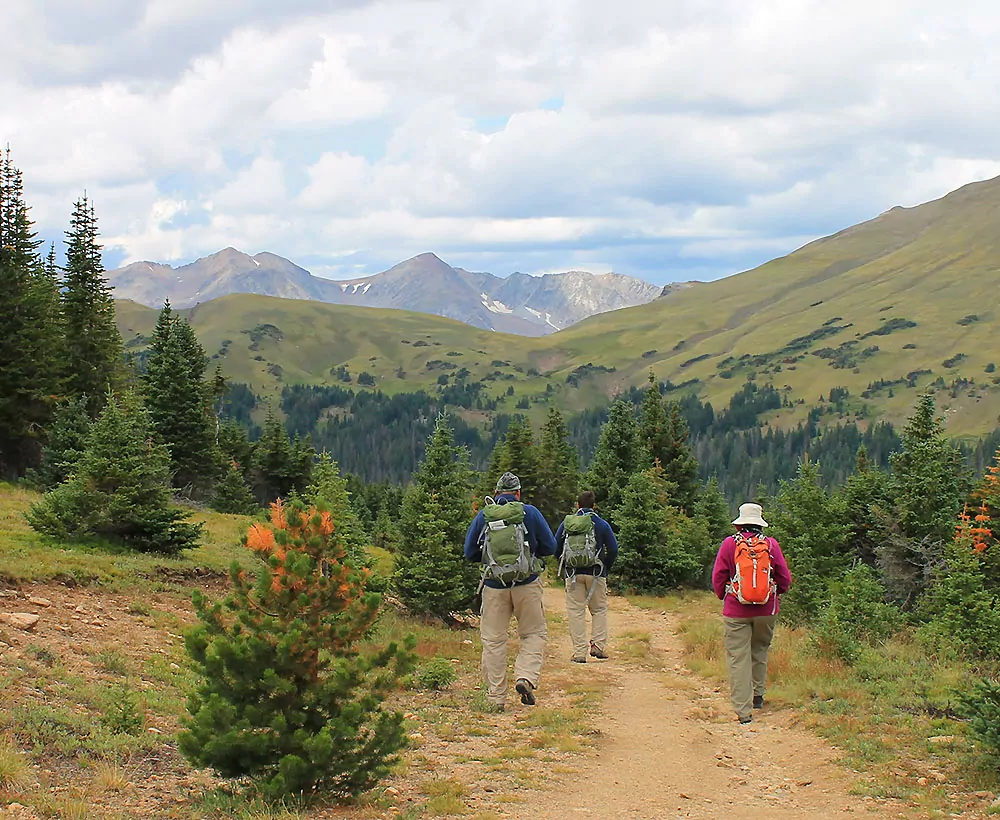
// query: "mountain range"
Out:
[519,303]
[855,325]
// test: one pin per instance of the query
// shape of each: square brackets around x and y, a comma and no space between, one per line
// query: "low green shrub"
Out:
[437,673]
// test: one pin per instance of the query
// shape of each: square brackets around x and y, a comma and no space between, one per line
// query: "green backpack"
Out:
[580,545]
[507,555]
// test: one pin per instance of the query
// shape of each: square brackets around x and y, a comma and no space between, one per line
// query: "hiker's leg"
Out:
[760,643]
[737,633]
[497,609]
[529,609]
[599,613]
[576,615]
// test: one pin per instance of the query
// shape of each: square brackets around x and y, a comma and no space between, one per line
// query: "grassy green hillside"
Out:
[920,284]
[906,298]
[267,342]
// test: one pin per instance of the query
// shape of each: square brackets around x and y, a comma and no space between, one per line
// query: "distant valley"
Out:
[519,304]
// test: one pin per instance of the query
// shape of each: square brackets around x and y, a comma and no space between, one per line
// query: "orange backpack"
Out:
[752,582]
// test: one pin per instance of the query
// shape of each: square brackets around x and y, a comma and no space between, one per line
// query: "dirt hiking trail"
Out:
[671,747]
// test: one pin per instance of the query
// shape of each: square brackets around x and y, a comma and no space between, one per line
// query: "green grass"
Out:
[930,265]
[26,556]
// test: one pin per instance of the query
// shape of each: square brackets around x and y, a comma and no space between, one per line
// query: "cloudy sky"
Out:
[669,140]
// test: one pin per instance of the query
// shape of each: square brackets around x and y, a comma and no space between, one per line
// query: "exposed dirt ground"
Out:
[638,736]
[672,747]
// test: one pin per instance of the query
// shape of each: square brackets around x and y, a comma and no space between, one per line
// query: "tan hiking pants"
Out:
[747,641]
[576,613]
[524,603]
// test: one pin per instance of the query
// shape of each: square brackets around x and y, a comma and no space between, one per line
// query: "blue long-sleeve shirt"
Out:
[540,540]
[607,544]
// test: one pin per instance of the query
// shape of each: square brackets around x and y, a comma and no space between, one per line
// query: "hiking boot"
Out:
[758,701]
[600,654]
[526,691]
[578,660]
[746,719]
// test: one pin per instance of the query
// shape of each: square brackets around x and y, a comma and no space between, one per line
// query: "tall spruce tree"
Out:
[518,454]
[328,487]
[119,488]
[274,469]
[664,435]
[618,457]
[812,529]
[29,331]
[179,402]
[867,498]
[653,426]
[93,344]
[432,575]
[679,465]
[929,480]
[660,548]
[559,470]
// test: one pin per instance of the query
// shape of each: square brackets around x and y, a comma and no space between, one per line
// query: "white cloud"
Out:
[520,135]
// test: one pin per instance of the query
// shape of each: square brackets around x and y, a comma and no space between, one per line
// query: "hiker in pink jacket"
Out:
[750,573]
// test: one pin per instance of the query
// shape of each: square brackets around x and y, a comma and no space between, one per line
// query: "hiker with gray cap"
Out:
[586,548]
[510,538]
[750,573]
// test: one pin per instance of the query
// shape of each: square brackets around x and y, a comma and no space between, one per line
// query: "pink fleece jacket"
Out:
[725,567]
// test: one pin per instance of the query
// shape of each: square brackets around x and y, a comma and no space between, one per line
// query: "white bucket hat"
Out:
[751,514]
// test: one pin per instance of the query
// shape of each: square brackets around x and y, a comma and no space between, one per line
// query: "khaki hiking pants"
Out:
[747,641]
[576,613]
[524,603]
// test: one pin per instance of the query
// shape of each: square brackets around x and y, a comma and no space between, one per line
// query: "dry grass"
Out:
[15,772]
[880,711]
[109,777]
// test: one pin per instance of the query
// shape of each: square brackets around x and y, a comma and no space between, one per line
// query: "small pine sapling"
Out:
[290,698]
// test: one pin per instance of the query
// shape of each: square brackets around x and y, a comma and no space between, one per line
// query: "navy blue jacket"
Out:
[540,540]
[607,544]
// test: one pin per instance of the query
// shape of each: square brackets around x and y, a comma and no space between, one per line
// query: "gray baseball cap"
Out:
[508,483]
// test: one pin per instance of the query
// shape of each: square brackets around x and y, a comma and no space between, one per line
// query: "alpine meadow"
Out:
[540,545]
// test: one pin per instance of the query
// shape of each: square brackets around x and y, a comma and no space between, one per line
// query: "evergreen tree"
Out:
[660,548]
[234,446]
[559,470]
[929,480]
[654,432]
[928,487]
[518,454]
[432,575]
[287,699]
[302,458]
[178,402]
[232,495]
[680,467]
[812,529]
[28,355]
[273,468]
[120,487]
[618,457]
[961,611]
[93,345]
[712,508]
[66,441]
[328,487]
[867,499]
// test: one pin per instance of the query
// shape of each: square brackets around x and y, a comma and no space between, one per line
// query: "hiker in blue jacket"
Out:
[510,538]
[586,575]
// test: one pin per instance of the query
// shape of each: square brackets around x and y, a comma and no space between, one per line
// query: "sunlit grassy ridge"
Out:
[918,284]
